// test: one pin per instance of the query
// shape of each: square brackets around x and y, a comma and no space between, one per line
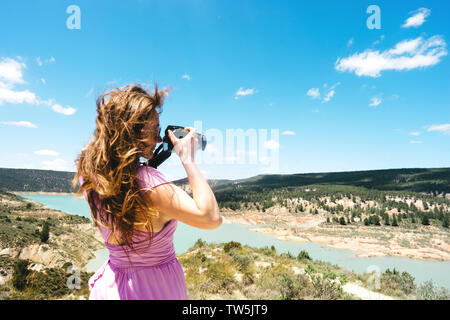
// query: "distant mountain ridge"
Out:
[34,180]
[435,180]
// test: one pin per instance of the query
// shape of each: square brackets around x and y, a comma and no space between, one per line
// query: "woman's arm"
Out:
[202,210]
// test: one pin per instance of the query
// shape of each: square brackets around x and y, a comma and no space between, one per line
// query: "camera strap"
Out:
[159,156]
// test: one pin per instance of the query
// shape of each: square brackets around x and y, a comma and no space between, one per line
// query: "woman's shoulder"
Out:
[150,177]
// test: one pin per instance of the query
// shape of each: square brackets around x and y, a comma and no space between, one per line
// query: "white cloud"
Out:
[394,97]
[46,153]
[406,55]
[329,95]
[375,102]
[271,144]
[60,109]
[11,96]
[91,91]
[40,63]
[313,93]
[377,42]
[48,102]
[25,124]
[288,133]
[417,19]
[416,133]
[443,128]
[11,72]
[244,92]
[186,76]
[350,42]
[334,85]
[406,46]
[57,165]
[415,142]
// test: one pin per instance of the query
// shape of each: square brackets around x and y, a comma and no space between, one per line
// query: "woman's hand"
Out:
[185,147]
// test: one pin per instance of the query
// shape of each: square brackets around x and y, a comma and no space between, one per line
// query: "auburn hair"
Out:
[108,164]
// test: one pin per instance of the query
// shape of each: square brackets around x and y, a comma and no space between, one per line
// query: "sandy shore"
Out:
[42,193]
[355,239]
[364,241]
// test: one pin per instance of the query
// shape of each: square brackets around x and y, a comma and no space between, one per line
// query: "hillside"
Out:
[432,181]
[71,241]
[33,268]
[396,209]
[234,271]
[32,180]
[436,181]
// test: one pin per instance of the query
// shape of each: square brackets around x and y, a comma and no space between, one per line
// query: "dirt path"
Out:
[364,293]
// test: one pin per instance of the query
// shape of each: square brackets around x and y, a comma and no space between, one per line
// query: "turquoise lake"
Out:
[185,236]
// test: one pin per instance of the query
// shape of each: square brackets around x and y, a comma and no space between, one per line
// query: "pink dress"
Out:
[155,273]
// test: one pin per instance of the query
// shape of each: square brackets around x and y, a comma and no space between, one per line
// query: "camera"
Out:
[165,149]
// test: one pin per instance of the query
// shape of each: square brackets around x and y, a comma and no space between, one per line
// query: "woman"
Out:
[135,208]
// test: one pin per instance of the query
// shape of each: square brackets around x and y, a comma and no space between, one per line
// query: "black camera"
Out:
[165,149]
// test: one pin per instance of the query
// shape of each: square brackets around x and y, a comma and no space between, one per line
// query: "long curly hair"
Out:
[108,164]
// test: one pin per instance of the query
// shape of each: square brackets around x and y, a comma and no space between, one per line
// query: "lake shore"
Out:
[42,193]
[364,241]
[429,244]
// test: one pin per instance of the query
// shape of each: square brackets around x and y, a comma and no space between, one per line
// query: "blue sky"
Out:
[342,96]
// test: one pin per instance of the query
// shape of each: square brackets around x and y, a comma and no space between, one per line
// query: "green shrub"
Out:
[45,233]
[243,261]
[303,255]
[231,245]
[19,278]
[445,222]
[199,243]
[280,281]
[30,219]
[324,285]
[221,277]
[394,221]
[428,291]
[396,283]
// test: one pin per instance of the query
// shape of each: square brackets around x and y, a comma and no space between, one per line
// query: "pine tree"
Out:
[19,278]
[45,233]
[386,220]
[394,221]
[445,222]
[425,220]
